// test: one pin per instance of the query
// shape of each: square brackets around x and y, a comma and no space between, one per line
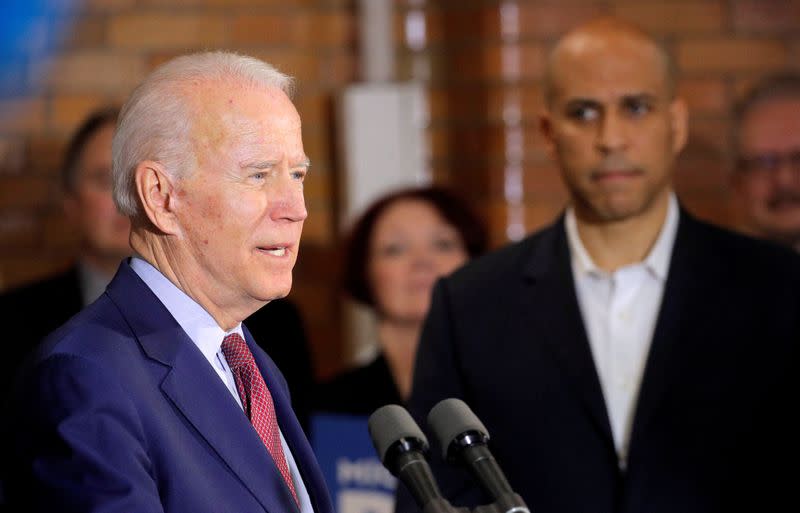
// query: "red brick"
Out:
[94,71]
[552,19]
[22,115]
[102,5]
[447,26]
[25,192]
[13,153]
[82,32]
[270,29]
[674,16]
[333,28]
[731,55]
[69,110]
[304,66]
[299,29]
[315,108]
[43,155]
[338,69]
[227,4]
[702,173]
[708,137]
[59,235]
[715,207]
[318,227]
[766,15]
[705,95]
[17,271]
[498,62]
[165,30]
[18,229]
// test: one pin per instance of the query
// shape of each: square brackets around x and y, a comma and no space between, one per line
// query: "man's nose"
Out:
[612,135]
[289,202]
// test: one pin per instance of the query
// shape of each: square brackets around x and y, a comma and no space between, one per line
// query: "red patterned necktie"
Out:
[257,401]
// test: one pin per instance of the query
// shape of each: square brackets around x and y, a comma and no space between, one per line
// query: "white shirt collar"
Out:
[657,261]
[193,318]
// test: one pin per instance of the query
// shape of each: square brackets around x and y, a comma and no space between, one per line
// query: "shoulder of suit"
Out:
[508,260]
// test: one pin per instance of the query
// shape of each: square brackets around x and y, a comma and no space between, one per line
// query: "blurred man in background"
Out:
[766,177]
[629,357]
[30,312]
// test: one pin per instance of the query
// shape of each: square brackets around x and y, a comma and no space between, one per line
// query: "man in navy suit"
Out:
[155,398]
[628,358]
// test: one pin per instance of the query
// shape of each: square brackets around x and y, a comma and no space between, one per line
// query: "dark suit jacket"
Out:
[713,417]
[31,312]
[120,408]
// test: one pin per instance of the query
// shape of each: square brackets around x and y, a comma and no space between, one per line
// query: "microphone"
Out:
[463,439]
[401,446]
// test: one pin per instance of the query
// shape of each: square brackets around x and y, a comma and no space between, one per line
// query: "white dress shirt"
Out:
[619,312]
[207,336]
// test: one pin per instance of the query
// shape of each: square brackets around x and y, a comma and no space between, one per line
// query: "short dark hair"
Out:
[452,208]
[80,138]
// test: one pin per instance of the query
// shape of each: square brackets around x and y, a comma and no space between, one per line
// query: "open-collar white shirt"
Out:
[620,310]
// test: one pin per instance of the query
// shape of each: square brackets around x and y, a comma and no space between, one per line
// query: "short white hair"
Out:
[156,121]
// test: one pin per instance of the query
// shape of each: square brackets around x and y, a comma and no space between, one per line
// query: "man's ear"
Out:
[679,119]
[546,128]
[156,190]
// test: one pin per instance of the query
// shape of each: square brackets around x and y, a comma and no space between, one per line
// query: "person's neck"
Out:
[156,250]
[398,342]
[615,244]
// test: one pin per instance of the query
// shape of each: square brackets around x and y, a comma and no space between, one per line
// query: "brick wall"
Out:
[482,62]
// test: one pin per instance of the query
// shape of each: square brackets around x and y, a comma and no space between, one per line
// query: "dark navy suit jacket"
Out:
[120,411]
[714,423]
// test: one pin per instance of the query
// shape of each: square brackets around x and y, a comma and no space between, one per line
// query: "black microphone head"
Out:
[390,424]
[451,418]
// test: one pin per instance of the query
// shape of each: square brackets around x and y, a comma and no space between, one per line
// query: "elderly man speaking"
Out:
[154,398]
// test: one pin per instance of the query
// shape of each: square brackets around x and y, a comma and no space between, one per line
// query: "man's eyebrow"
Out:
[257,164]
[265,164]
[640,96]
[583,102]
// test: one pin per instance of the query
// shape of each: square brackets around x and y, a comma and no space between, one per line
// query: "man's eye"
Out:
[637,108]
[299,175]
[583,113]
[258,176]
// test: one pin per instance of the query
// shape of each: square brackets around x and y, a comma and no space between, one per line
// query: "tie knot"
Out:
[236,351]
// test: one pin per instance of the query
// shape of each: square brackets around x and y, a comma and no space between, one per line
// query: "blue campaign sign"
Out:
[357,480]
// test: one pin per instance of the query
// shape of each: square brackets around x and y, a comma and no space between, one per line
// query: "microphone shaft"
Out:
[486,469]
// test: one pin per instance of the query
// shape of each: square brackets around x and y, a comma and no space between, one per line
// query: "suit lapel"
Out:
[670,335]
[549,293]
[197,392]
